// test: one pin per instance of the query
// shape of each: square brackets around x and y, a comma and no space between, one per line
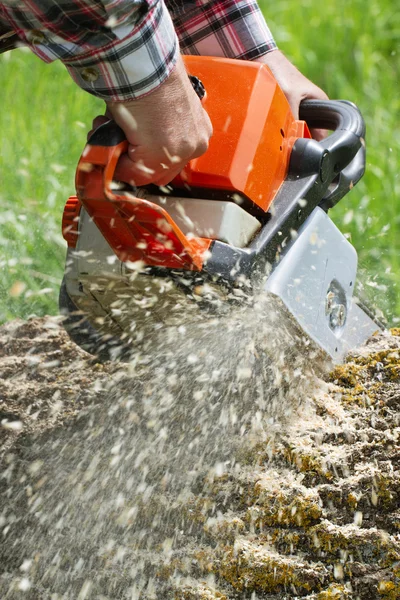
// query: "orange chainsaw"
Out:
[247,217]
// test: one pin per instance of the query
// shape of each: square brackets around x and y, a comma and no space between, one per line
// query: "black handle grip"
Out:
[338,115]
[340,158]
[108,134]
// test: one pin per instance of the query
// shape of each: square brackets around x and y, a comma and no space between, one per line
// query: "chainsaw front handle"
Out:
[135,228]
[340,158]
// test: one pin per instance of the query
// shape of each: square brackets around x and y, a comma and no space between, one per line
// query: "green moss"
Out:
[198,509]
[388,359]
[224,530]
[347,375]
[286,541]
[357,378]
[167,570]
[371,546]
[305,462]
[360,395]
[251,567]
[205,560]
[334,592]
[198,593]
[383,486]
[279,509]
[352,500]
[389,590]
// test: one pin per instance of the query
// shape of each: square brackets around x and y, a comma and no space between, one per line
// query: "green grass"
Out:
[350,48]
[43,124]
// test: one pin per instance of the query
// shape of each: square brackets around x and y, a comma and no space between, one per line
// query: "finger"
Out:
[127,172]
[97,121]
[169,175]
[319,134]
[136,175]
[294,103]
[317,94]
[135,168]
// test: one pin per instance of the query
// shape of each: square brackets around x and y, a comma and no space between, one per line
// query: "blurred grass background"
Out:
[350,48]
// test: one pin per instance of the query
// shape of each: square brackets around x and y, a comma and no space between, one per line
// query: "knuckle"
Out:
[200,148]
[203,142]
[203,145]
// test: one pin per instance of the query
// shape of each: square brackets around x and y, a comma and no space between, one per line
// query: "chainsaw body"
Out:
[247,217]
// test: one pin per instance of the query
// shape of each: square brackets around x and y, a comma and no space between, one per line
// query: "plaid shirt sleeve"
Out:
[228,28]
[120,50]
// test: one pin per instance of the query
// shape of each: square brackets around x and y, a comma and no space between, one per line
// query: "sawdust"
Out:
[45,379]
[308,507]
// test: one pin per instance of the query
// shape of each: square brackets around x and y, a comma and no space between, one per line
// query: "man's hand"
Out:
[295,86]
[165,129]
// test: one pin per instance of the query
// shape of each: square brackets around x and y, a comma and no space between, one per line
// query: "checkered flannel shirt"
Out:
[120,50]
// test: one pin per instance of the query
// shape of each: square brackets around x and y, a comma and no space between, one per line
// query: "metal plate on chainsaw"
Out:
[315,281]
[214,219]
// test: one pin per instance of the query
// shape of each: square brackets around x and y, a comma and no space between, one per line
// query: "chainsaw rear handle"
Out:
[336,115]
[339,160]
